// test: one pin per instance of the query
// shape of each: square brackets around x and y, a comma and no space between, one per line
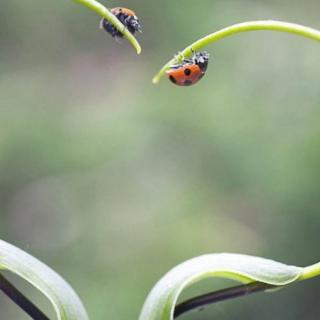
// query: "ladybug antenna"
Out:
[139,28]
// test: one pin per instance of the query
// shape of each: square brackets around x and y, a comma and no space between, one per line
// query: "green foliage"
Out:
[259,151]
[64,300]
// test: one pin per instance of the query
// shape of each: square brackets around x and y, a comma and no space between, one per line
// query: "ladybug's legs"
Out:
[101,24]
[179,56]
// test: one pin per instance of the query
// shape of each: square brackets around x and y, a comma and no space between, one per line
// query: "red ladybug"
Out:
[190,70]
[127,17]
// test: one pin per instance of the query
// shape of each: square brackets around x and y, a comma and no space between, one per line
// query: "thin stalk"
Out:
[238,28]
[221,295]
[105,13]
[21,300]
[310,272]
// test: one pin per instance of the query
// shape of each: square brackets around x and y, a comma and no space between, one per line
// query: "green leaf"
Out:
[162,299]
[63,298]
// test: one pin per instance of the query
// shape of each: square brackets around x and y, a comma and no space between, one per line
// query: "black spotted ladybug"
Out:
[190,70]
[127,17]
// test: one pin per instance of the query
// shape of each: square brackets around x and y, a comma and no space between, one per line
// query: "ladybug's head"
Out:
[201,59]
[128,18]
[133,24]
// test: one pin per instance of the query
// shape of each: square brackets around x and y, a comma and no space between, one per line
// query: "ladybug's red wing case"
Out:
[125,11]
[185,75]
[190,71]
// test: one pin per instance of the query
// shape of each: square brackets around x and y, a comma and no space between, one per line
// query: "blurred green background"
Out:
[112,181]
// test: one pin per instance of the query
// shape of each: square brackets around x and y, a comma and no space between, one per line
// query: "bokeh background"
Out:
[112,181]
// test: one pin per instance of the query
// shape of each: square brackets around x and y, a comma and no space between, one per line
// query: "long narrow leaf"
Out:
[63,298]
[162,299]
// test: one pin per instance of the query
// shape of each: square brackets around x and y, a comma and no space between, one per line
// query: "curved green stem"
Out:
[220,295]
[105,13]
[237,28]
[310,272]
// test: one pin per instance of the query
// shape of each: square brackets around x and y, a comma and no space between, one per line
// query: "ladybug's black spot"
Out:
[187,72]
[187,82]
[173,79]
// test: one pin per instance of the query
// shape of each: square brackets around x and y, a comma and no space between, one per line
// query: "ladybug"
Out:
[127,17]
[190,70]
